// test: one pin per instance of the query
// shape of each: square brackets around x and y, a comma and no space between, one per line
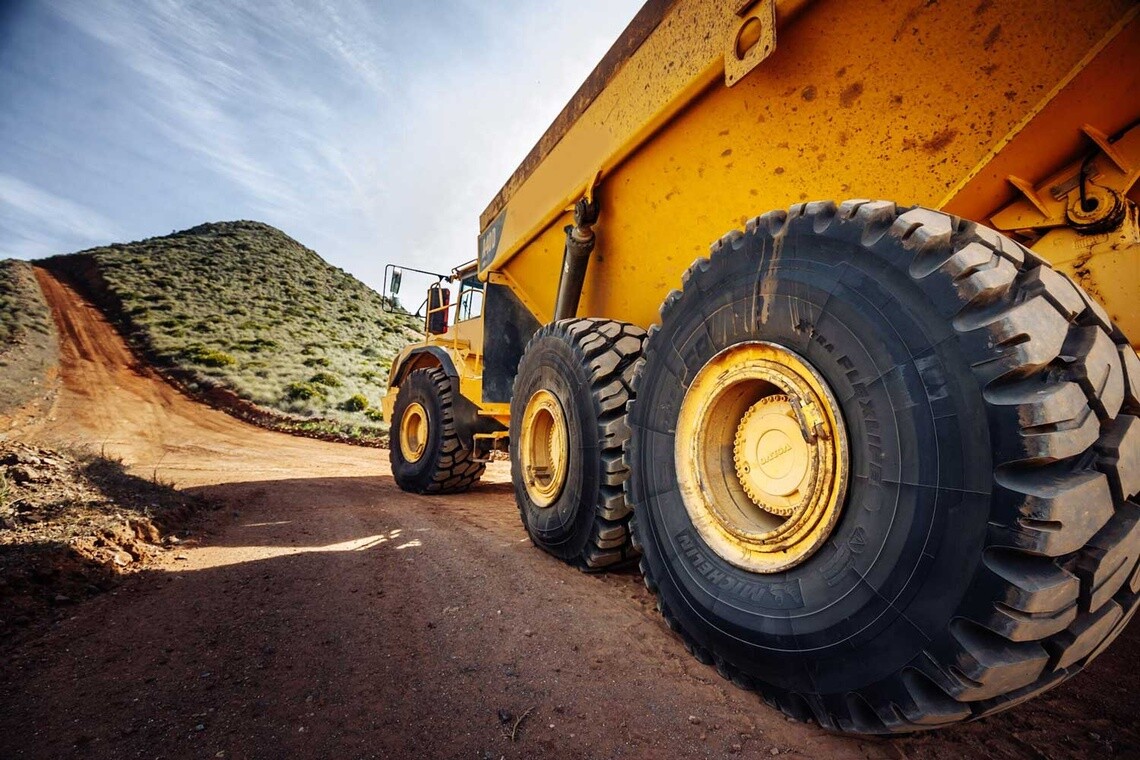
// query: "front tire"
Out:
[425,448]
[988,542]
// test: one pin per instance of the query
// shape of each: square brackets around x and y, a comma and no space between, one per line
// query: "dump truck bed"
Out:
[933,104]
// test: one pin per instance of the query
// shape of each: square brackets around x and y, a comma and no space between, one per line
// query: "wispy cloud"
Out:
[197,74]
[29,211]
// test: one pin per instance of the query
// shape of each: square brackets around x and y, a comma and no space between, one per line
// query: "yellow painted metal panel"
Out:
[918,102]
[1103,89]
[680,58]
[898,99]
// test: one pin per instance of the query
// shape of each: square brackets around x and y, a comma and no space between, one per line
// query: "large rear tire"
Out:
[568,428]
[425,448]
[987,545]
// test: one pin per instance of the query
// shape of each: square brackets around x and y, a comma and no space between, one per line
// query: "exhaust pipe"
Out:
[579,245]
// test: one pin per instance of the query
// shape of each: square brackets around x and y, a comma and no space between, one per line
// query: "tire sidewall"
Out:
[417,476]
[551,363]
[908,541]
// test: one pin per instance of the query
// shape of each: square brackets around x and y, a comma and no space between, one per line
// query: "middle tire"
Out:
[568,427]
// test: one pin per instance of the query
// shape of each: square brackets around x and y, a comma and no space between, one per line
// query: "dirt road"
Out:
[327,614]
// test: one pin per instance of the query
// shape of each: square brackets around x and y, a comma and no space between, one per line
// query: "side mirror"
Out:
[394,282]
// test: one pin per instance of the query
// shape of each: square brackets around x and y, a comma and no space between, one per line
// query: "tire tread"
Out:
[455,470]
[608,350]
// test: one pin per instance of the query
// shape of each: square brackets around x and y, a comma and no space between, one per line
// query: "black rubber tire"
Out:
[588,365]
[446,465]
[989,544]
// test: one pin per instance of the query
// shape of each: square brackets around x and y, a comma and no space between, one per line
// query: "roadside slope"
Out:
[247,318]
[28,343]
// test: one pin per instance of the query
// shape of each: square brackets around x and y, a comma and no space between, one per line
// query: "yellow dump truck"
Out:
[879,459]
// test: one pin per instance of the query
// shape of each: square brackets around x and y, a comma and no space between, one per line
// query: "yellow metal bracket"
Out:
[590,188]
[1107,176]
[751,41]
[1082,221]
[485,443]
[1108,149]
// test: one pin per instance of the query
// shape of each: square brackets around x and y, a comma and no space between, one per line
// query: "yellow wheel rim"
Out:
[544,448]
[413,432]
[762,457]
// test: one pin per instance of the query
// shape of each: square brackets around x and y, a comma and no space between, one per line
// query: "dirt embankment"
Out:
[72,526]
[325,613]
[28,343]
[126,406]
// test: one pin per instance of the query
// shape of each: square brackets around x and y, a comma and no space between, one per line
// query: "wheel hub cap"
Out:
[762,459]
[413,432]
[771,456]
[544,448]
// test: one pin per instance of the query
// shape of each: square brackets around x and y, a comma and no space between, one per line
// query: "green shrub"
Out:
[316,361]
[374,413]
[326,378]
[208,357]
[355,403]
[302,391]
[258,345]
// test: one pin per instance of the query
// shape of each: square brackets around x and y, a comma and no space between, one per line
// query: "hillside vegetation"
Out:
[28,345]
[242,306]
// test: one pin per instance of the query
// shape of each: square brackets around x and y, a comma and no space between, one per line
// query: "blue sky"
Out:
[369,130]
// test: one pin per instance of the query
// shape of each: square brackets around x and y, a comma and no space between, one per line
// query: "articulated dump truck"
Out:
[878,459]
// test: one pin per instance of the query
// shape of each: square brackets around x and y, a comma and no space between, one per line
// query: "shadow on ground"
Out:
[341,617]
[71,523]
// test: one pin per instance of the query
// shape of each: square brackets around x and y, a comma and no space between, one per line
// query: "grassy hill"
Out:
[242,306]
